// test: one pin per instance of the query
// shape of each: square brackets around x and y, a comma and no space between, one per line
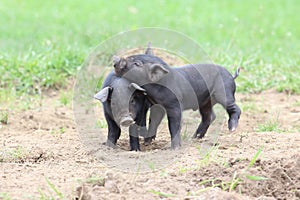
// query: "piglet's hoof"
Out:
[232,129]
[148,141]
[135,149]
[175,148]
[198,135]
[110,144]
[176,143]
[194,136]
[232,125]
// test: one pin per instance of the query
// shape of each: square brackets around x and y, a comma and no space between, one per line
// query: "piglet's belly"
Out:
[190,102]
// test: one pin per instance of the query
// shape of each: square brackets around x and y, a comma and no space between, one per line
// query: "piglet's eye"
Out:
[132,101]
[137,63]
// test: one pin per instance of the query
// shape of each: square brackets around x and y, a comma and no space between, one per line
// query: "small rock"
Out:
[111,186]
[295,111]
[173,174]
[297,193]
[82,193]
[109,176]
[143,180]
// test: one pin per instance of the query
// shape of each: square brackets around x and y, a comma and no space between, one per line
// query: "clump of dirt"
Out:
[20,155]
[278,180]
[283,179]
[273,178]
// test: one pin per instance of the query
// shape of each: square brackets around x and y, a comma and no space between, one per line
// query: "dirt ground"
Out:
[42,156]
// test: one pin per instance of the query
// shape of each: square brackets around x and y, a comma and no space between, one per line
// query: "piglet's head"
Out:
[123,65]
[141,68]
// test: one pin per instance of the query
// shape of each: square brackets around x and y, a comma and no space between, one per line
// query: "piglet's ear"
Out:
[157,72]
[149,50]
[116,60]
[119,65]
[119,62]
[134,86]
[103,94]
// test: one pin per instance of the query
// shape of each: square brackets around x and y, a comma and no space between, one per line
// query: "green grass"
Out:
[3,116]
[249,107]
[43,44]
[101,123]
[95,180]
[58,132]
[16,154]
[296,104]
[151,165]
[269,125]
[225,186]
[161,194]
[5,196]
[57,193]
[65,98]
[207,156]
[236,181]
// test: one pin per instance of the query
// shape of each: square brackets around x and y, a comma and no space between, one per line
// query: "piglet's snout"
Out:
[127,121]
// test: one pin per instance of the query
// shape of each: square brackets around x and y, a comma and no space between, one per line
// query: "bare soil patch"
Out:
[44,144]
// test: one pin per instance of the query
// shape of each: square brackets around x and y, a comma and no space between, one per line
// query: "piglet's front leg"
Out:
[134,138]
[114,132]
[174,122]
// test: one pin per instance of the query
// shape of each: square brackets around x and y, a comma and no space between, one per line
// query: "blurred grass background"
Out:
[43,43]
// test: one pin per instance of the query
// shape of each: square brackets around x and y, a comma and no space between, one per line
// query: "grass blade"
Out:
[162,194]
[52,186]
[255,157]
[256,178]
[235,181]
